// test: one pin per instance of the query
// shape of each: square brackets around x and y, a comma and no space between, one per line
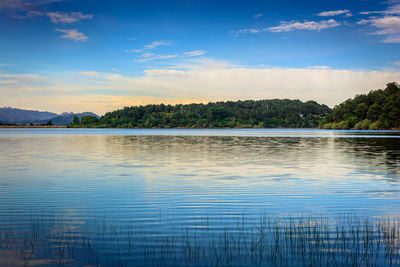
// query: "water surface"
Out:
[157,180]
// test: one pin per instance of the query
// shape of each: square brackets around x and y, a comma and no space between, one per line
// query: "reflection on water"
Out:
[154,179]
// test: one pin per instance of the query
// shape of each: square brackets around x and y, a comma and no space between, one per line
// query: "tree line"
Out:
[231,114]
[379,109]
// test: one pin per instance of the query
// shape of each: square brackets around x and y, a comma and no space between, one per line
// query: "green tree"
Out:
[242,114]
[361,111]
[379,109]
[76,120]
[373,112]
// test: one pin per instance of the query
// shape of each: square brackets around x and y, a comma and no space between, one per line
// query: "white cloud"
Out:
[394,9]
[345,12]
[203,82]
[155,44]
[363,21]
[391,10]
[24,4]
[152,45]
[387,22]
[291,26]
[73,35]
[134,51]
[325,85]
[151,56]
[372,12]
[319,67]
[164,56]
[387,25]
[66,18]
[306,25]
[34,8]
[259,15]
[392,39]
[147,54]
[29,14]
[194,53]
[250,30]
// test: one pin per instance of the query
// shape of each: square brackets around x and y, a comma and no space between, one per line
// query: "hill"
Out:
[21,116]
[66,118]
[239,114]
[379,109]
[24,117]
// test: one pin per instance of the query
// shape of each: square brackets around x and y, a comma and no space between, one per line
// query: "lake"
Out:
[148,196]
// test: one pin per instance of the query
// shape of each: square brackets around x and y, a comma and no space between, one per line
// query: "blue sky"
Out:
[100,55]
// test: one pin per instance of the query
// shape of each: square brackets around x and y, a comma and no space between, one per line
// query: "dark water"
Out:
[157,183]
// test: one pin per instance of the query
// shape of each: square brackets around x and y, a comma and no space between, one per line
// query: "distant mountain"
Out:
[21,116]
[66,118]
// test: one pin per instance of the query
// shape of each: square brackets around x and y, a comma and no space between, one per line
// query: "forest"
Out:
[379,109]
[239,114]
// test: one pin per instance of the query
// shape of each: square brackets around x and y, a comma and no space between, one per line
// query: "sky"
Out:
[73,55]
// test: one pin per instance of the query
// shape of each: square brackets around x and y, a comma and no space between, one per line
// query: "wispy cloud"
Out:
[332,13]
[25,79]
[24,4]
[66,18]
[306,25]
[73,35]
[148,56]
[259,15]
[291,26]
[194,53]
[250,30]
[29,14]
[151,56]
[155,44]
[150,46]
[391,10]
[388,24]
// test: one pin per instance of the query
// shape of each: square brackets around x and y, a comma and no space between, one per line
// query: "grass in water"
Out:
[267,241]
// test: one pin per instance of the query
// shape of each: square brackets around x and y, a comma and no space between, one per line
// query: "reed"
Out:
[347,240]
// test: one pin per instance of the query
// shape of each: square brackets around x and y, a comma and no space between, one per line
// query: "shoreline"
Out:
[32,126]
[181,128]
